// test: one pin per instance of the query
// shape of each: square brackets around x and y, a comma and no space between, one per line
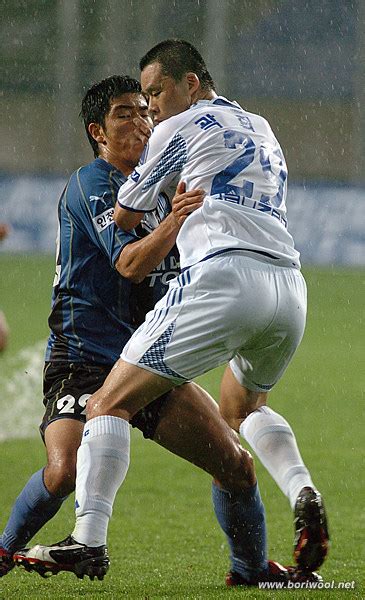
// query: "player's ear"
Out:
[193,82]
[96,131]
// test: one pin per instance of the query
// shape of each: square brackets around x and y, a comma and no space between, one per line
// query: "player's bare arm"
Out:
[138,259]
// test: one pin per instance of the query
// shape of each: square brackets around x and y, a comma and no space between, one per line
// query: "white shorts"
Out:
[228,308]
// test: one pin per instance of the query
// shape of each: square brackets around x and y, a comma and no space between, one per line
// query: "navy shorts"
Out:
[67,387]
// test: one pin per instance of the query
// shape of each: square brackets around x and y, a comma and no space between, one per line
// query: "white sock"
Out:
[273,440]
[102,464]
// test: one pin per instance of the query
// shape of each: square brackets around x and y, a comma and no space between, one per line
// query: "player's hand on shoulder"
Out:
[184,203]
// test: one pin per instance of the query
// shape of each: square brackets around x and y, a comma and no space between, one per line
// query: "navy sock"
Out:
[32,509]
[242,518]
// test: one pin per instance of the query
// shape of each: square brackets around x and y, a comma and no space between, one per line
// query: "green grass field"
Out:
[164,541]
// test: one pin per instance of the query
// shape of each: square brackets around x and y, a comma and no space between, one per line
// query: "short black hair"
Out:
[176,58]
[96,102]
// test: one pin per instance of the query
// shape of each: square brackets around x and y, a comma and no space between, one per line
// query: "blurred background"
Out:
[301,64]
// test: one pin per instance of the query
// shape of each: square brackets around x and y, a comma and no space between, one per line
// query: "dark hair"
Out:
[176,58]
[96,102]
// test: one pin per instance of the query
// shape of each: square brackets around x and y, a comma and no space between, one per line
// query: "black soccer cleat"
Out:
[276,574]
[311,542]
[67,555]
[298,575]
[6,562]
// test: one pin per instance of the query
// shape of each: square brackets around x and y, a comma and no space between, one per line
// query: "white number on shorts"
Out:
[66,403]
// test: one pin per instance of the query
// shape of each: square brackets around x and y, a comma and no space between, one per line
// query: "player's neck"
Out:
[123,166]
[204,95]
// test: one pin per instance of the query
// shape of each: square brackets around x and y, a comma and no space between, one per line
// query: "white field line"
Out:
[21,407]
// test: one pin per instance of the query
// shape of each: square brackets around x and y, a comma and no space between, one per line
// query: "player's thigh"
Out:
[126,390]
[62,439]
[192,427]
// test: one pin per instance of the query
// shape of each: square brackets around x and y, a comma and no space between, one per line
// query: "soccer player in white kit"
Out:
[240,298]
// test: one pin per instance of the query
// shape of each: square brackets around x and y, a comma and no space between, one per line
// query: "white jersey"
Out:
[234,156]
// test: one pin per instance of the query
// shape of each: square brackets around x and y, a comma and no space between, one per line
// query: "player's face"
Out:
[118,140]
[166,97]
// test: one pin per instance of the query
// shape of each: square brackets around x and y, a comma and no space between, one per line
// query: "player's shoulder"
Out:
[257,122]
[95,180]
[99,171]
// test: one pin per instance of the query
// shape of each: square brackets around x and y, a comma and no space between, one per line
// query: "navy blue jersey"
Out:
[94,309]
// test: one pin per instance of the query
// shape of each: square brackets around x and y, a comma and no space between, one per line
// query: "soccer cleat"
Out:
[298,575]
[67,555]
[6,562]
[311,542]
[276,574]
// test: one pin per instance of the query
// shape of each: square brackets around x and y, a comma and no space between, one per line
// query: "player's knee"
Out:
[98,404]
[234,416]
[230,419]
[103,403]
[60,477]
[245,469]
[241,472]
[94,404]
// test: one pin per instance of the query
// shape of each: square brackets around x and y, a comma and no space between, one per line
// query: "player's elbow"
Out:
[130,270]
[133,275]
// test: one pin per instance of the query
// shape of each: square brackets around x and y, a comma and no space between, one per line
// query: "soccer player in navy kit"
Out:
[94,312]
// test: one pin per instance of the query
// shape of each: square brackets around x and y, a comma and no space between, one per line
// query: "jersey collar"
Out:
[218,101]
[103,164]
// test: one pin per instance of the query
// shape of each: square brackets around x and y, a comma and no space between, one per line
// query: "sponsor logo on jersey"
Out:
[98,198]
[167,270]
[103,220]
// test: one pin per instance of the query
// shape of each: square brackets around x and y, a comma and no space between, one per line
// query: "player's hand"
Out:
[142,129]
[184,203]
